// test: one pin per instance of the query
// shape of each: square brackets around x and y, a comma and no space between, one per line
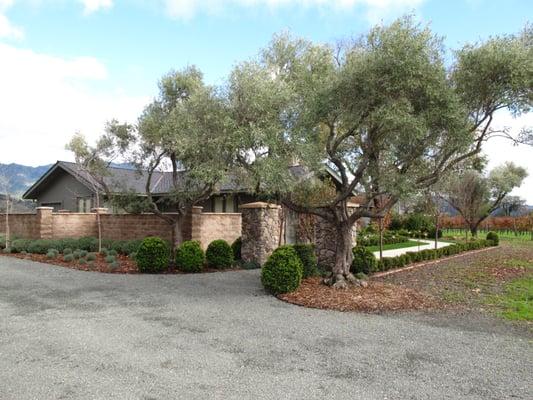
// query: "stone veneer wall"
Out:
[260,231]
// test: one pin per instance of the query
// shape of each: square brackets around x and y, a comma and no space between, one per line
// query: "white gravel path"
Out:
[429,244]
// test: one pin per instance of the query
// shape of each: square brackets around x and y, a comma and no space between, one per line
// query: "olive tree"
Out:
[383,112]
[476,196]
[181,133]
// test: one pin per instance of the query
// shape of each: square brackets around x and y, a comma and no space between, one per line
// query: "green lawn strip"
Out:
[393,246]
[516,302]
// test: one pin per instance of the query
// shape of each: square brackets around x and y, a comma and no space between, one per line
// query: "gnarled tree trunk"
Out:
[340,273]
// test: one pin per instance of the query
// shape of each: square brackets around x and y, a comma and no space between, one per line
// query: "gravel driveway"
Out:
[67,334]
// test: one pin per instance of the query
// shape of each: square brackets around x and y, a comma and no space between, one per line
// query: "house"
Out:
[67,187]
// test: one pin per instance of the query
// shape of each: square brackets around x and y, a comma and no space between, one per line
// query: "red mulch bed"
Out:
[126,265]
[375,298]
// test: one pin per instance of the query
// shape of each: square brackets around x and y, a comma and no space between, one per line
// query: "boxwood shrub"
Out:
[494,238]
[189,256]
[219,254]
[363,261]
[153,255]
[283,271]
[306,253]
[236,247]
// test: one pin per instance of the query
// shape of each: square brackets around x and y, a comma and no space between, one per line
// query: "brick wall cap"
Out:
[259,204]
[44,208]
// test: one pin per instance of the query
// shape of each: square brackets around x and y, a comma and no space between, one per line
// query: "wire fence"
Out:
[509,234]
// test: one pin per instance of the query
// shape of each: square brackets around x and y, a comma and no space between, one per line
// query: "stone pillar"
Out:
[260,231]
[44,222]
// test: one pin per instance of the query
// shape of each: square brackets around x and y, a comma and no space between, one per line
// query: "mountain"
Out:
[21,177]
[17,205]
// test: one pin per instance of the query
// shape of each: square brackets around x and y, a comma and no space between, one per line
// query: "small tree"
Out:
[476,196]
[4,187]
[182,133]
[93,162]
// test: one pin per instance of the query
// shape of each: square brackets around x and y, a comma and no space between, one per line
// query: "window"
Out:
[84,205]
[219,204]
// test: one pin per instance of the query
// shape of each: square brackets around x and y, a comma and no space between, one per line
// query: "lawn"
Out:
[499,281]
[393,246]
[503,234]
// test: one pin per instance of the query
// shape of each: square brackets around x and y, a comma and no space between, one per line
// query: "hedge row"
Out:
[90,244]
[364,261]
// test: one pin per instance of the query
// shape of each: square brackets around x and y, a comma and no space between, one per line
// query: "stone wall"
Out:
[207,227]
[260,231]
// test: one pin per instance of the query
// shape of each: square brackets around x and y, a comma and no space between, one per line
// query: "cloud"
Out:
[91,6]
[500,150]
[374,9]
[7,29]
[45,99]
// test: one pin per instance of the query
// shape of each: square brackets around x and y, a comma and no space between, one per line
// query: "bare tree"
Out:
[4,186]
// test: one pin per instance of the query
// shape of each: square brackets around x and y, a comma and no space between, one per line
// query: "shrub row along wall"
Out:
[44,224]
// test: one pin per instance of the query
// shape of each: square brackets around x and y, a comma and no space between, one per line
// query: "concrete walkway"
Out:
[67,334]
[429,245]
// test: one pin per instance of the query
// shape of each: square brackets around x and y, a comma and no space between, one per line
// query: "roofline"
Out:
[47,174]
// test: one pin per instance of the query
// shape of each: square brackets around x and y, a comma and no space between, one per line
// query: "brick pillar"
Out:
[260,231]
[196,225]
[44,222]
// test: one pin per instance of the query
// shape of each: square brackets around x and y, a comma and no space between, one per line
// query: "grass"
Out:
[522,236]
[393,246]
[516,302]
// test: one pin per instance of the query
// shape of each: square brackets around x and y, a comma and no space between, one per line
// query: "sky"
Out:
[69,66]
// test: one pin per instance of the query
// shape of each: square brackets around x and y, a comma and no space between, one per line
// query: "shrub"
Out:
[112,252]
[219,254]
[236,247]
[363,260]
[67,250]
[82,261]
[306,253]
[76,253]
[110,259]
[494,238]
[104,251]
[50,255]
[39,246]
[68,257]
[114,265]
[361,276]
[153,255]
[283,271]
[83,253]
[20,245]
[91,256]
[7,251]
[189,256]
[87,244]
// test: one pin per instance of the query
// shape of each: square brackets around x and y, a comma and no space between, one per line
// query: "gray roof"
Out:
[121,179]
